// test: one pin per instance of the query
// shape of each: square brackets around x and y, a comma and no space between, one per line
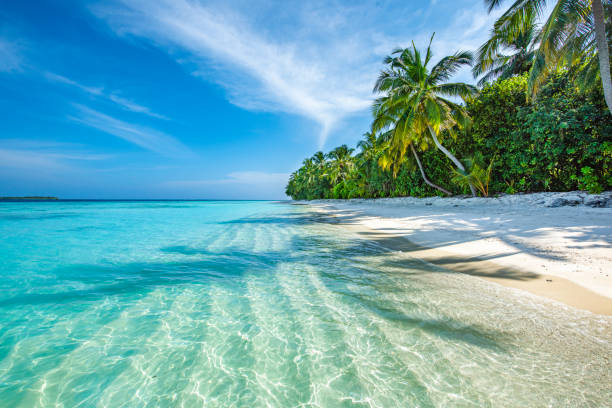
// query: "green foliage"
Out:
[588,181]
[560,141]
[567,38]
[548,129]
[477,175]
[542,145]
[507,53]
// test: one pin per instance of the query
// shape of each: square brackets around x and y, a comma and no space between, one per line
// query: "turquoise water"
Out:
[261,304]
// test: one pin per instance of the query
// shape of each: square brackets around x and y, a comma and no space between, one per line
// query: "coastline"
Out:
[547,244]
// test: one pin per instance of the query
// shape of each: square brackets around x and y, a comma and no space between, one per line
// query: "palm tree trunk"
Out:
[450,156]
[416,156]
[603,51]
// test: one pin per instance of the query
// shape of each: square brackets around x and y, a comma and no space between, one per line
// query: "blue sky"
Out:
[196,99]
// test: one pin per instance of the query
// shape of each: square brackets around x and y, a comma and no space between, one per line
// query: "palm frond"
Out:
[449,65]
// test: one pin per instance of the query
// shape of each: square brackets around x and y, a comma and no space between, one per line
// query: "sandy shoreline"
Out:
[526,242]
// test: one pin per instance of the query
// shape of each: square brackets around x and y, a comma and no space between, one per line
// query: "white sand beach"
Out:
[557,245]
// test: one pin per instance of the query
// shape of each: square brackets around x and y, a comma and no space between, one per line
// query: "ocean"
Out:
[267,304]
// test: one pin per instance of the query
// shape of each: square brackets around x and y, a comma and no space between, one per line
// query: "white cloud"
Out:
[35,144]
[38,157]
[132,106]
[238,177]
[316,59]
[142,136]
[123,103]
[25,159]
[468,30]
[259,72]
[97,91]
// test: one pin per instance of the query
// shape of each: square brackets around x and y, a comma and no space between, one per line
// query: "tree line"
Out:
[539,120]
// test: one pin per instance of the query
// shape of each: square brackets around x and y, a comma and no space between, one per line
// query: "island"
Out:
[28,198]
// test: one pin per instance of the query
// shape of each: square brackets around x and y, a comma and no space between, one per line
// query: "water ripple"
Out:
[261,304]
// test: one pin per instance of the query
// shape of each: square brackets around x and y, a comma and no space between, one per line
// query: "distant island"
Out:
[28,198]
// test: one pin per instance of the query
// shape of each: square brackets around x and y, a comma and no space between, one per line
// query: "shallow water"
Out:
[248,304]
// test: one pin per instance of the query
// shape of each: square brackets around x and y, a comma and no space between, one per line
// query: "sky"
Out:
[197,99]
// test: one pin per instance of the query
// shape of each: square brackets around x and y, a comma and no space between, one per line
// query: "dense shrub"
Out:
[543,145]
[560,141]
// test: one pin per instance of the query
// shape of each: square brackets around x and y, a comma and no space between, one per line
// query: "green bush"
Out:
[559,141]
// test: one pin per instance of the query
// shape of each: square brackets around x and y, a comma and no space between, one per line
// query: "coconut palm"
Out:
[415,105]
[369,146]
[394,156]
[341,162]
[309,171]
[318,159]
[371,149]
[574,33]
[493,60]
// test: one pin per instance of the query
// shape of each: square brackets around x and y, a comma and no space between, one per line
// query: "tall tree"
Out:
[604,50]
[394,156]
[415,105]
[503,56]
[341,162]
[369,145]
[575,33]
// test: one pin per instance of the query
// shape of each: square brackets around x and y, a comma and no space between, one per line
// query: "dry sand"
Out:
[562,253]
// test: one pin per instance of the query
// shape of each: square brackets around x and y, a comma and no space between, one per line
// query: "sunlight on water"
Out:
[248,304]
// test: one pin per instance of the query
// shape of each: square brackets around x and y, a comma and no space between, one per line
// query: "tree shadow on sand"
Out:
[506,230]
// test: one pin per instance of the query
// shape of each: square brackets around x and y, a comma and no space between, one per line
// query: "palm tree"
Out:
[309,171]
[601,39]
[341,162]
[425,179]
[369,146]
[575,33]
[415,105]
[370,151]
[394,155]
[492,63]
[318,158]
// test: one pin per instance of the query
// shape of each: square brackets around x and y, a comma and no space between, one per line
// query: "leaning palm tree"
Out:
[504,56]
[415,105]
[394,155]
[574,33]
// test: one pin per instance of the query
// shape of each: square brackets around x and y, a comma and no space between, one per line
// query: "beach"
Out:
[555,245]
[306,204]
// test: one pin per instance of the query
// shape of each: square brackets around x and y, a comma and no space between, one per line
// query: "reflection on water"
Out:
[263,304]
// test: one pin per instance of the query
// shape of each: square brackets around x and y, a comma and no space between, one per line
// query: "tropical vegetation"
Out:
[539,121]
[575,34]
[415,108]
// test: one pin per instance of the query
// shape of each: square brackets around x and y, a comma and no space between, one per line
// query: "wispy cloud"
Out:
[10,57]
[320,62]
[100,91]
[147,138]
[37,144]
[238,177]
[259,72]
[26,159]
[467,31]
[43,155]
[132,106]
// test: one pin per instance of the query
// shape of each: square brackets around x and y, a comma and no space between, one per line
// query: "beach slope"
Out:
[556,245]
